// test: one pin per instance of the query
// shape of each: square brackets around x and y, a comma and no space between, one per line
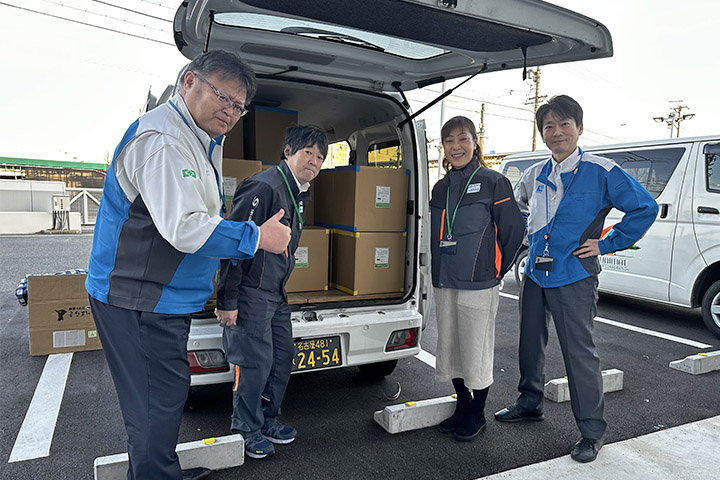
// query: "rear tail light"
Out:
[207,361]
[401,339]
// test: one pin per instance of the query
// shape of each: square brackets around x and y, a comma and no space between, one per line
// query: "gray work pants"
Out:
[147,356]
[573,308]
[261,348]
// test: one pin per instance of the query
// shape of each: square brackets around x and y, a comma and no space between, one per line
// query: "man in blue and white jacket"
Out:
[568,197]
[158,239]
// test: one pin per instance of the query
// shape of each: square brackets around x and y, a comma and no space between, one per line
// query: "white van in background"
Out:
[678,260]
[344,65]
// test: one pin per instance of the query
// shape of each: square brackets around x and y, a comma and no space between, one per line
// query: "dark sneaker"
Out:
[470,427]
[513,414]
[256,446]
[586,450]
[278,433]
[196,473]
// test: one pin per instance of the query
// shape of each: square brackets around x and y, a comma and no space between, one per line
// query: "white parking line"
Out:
[633,328]
[36,432]
[426,357]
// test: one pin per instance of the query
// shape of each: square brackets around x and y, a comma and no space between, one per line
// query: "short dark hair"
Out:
[561,105]
[466,124]
[301,136]
[227,65]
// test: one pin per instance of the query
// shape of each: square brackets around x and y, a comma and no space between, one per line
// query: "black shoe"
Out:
[196,473]
[586,450]
[513,414]
[471,426]
[450,424]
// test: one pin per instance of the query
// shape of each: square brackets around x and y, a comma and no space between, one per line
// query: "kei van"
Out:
[678,260]
[345,66]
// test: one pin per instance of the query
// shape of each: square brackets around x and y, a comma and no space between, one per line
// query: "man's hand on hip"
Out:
[227,317]
[588,249]
[274,236]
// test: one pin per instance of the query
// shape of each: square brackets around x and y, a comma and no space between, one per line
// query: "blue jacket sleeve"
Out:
[640,208]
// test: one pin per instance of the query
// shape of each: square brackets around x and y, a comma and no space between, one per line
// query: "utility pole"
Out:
[535,78]
[675,118]
[481,136]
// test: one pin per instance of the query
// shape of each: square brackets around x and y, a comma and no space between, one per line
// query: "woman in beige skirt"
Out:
[476,230]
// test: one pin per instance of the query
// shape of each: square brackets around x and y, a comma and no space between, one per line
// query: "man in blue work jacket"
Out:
[158,236]
[568,197]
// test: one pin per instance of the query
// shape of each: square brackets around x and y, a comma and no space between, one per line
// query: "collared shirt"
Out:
[567,165]
[304,187]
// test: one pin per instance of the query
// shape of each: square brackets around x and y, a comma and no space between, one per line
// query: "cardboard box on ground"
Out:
[311,261]
[59,316]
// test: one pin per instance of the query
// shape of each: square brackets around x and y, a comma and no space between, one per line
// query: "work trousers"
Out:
[573,308]
[261,348]
[147,357]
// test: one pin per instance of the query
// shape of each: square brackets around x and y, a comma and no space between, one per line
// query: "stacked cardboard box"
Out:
[59,316]
[311,261]
[264,130]
[234,172]
[366,207]
[368,262]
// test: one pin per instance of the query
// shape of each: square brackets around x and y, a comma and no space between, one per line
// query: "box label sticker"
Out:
[382,257]
[382,197]
[92,333]
[229,186]
[69,338]
[301,257]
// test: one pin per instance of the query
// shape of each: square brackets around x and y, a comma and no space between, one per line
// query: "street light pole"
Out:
[675,118]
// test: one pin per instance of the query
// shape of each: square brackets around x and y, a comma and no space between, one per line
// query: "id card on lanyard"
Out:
[544,262]
[448,246]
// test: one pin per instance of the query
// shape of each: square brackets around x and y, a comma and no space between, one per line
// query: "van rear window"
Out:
[652,168]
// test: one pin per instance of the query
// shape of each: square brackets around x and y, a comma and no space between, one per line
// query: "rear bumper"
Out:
[363,336]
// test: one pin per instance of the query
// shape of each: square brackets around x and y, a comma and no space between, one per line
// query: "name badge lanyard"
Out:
[551,223]
[297,209]
[451,222]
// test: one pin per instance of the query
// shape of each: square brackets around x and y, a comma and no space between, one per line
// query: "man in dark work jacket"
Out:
[252,303]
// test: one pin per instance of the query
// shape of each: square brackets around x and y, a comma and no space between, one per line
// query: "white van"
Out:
[344,65]
[678,260]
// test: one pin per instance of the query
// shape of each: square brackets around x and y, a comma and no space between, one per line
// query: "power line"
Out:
[86,24]
[133,11]
[104,15]
[160,4]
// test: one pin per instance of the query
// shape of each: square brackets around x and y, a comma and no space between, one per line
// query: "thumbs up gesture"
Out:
[274,236]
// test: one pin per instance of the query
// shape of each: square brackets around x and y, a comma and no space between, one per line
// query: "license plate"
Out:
[317,353]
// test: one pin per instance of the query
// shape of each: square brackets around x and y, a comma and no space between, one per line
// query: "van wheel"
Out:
[376,371]
[520,266]
[711,308]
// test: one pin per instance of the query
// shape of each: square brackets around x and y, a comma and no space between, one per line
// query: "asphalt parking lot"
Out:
[332,409]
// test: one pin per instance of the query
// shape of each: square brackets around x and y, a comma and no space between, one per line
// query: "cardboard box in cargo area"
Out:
[362,199]
[59,316]
[368,262]
[234,145]
[234,172]
[311,261]
[264,129]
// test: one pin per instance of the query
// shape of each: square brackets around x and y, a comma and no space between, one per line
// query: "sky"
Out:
[70,90]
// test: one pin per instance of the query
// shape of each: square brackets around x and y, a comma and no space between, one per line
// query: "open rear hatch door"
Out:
[388,44]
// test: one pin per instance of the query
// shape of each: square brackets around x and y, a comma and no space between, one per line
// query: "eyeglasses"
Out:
[237,109]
